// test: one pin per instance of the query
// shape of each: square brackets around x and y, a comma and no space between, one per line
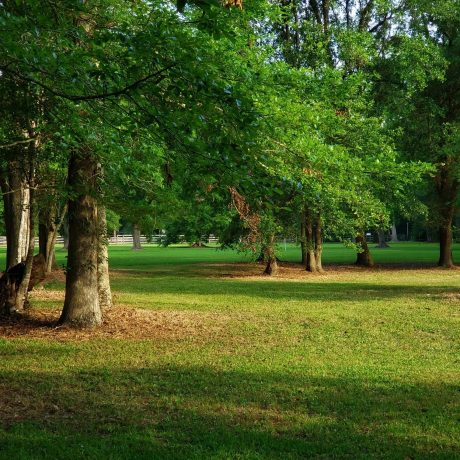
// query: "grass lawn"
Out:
[204,358]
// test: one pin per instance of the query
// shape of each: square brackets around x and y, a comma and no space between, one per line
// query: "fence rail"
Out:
[122,239]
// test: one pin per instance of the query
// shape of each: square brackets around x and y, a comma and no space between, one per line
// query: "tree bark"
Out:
[303,239]
[310,243]
[394,234]
[445,237]
[318,244]
[363,258]
[136,237]
[16,197]
[103,280]
[23,289]
[446,188]
[18,193]
[65,234]
[270,257]
[81,305]
[48,228]
[381,236]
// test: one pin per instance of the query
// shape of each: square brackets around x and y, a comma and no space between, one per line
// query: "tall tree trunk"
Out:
[103,280]
[303,239]
[309,234]
[394,233]
[46,233]
[136,237]
[16,197]
[81,305]
[381,236]
[446,188]
[23,290]
[270,257]
[445,237]
[318,244]
[18,187]
[48,228]
[363,258]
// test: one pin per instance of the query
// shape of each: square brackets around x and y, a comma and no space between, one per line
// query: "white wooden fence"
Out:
[121,239]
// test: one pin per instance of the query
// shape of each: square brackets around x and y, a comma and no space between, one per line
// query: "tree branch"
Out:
[364,15]
[12,144]
[315,8]
[78,98]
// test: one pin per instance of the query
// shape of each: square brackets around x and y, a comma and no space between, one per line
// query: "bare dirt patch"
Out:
[295,271]
[121,322]
[451,296]
[286,270]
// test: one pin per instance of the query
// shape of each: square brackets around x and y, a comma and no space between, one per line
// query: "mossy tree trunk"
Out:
[81,305]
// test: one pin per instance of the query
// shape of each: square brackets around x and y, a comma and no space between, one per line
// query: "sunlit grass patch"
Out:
[212,360]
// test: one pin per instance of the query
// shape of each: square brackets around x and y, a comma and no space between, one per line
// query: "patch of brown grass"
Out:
[56,275]
[40,293]
[121,322]
[451,296]
[295,271]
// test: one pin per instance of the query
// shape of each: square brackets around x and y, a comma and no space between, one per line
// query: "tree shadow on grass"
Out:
[183,412]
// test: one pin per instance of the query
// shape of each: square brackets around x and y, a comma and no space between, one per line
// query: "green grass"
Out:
[352,364]
[334,253]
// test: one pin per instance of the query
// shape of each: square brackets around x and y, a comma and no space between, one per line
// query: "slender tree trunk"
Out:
[446,188]
[270,257]
[429,237]
[318,244]
[136,237]
[303,239]
[23,290]
[394,234]
[81,305]
[48,229]
[18,188]
[363,258]
[381,236]
[103,280]
[309,233]
[16,197]
[445,237]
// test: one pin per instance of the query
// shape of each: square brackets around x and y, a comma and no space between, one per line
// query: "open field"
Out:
[204,358]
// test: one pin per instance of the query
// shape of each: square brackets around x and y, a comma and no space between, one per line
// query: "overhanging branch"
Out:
[90,97]
[12,144]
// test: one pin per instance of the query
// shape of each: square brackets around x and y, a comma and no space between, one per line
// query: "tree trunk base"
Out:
[198,244]
[446,265]
[272,268]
